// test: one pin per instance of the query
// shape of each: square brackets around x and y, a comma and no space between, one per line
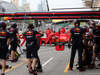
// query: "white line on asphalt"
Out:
[47,61]
[93,73]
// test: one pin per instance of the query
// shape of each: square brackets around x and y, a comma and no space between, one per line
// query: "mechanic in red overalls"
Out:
[48,31]
[63,30]
[49,39]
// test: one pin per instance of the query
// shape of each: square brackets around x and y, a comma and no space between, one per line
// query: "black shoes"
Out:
[70,69]
[82,70]
[15,60]
[39,69]
[77,68]
[99,64]
[32,72]
[93,64]
[2,74]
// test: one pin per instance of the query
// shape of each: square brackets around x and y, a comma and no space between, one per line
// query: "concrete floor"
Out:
[53,62]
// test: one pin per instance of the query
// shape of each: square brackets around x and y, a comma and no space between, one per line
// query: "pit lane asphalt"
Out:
[53,62]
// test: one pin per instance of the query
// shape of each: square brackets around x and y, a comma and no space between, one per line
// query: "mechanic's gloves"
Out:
[69,46]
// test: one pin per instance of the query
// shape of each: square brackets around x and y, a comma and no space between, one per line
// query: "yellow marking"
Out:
[15,66]
[66,69]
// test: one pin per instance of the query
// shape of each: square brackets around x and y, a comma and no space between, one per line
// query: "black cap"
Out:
[14,25]
[76,22]
[30,26]
[2,24]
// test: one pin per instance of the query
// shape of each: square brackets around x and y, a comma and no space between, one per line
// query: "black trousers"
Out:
[75,47]
[38,63]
